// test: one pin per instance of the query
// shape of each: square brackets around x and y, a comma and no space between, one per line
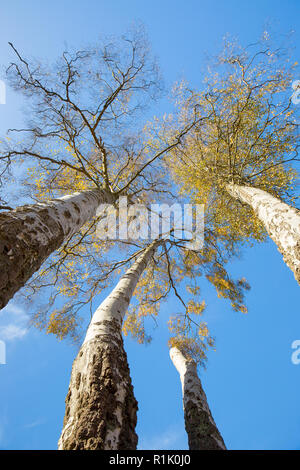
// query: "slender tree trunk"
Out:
[29,234]
[100,405]
[281,221]
[201,429]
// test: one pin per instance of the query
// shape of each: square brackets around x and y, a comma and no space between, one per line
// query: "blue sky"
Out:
[251,384]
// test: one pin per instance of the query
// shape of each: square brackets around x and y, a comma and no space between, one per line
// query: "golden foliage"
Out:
[247,135]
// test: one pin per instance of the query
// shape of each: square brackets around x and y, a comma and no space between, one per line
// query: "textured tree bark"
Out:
[281,221]
[100,405]
[201,429]
[29,234]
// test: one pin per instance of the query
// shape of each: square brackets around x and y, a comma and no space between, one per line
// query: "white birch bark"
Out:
[100,405]
[281,221]
[29,234]
[201,429]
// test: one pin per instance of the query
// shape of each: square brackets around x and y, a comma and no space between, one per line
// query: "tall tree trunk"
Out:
[100,405]
[201,429]
[29,234]
[281,221]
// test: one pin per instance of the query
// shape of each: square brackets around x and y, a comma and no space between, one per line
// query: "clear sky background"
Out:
[251,384]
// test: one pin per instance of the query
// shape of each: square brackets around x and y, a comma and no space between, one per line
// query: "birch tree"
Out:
[200,426]
[78,137]
[243,156]
[100,405]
